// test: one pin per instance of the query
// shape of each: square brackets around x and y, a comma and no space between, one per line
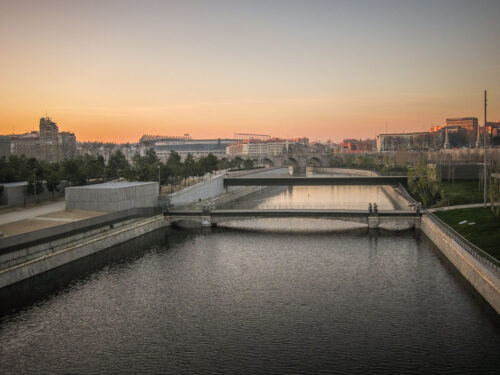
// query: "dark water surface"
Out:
[235,301]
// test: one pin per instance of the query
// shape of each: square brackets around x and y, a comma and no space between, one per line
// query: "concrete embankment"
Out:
[20,264]
[484,279]
[33,253]
[214,191]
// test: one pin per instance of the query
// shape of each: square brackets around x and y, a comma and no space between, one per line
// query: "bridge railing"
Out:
[479,254]
[407,195]
[312,205]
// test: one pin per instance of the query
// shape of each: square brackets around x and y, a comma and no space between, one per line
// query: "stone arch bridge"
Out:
[298,161]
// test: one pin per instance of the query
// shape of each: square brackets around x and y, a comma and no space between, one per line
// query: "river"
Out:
[256,297]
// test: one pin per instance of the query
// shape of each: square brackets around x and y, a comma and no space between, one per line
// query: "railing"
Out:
[24,240]
[311,205]
[407,195]
[472,249]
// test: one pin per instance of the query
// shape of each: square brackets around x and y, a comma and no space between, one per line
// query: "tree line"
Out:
[94,169]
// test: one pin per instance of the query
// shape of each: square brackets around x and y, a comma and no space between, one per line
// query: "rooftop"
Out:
[115,185]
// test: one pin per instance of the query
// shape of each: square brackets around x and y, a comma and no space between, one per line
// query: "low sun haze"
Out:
[114,70]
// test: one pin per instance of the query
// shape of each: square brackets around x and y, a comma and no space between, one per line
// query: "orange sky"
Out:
[115,70]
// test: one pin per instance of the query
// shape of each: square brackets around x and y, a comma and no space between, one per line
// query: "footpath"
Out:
[26,219]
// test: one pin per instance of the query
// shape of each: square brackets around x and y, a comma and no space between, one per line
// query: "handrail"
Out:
[407,195]
[476,252]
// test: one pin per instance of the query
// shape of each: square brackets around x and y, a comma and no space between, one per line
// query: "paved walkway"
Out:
[32,212]
[459,207]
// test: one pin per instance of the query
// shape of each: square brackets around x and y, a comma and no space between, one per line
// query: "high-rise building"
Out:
[49,140]
[253,147]
[469,124]
[26,144]
[67,145]
[5,145]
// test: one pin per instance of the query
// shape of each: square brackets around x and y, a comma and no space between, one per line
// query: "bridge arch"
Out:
[267,162]
[314,162]
[292,161]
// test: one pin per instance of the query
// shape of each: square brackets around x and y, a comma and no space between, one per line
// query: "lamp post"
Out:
[159,179]
[485,168]
[34,183]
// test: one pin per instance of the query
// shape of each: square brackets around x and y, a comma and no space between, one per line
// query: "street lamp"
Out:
[159,179]
[34,182]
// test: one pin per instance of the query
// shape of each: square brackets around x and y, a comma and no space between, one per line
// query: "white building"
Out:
[256,148]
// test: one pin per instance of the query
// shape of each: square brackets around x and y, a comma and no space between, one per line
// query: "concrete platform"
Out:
[44,221]
[112,196]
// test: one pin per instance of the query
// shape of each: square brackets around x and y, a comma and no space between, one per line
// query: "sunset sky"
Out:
[114,70]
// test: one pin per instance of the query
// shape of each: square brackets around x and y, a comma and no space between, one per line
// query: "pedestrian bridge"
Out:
[314,181]
[207,217]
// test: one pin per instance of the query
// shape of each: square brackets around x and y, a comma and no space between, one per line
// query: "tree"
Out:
[237,161]
[189,166]
[93,167]
[52,182]
[208,163]
[175,166]
[72,170]
[248,164]
[424,184]
[224,163]
[495,195]
[117,166]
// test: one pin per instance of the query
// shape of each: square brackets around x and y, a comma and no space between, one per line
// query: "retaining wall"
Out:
[485,281]
[40,236]
[215,187]
[44,257]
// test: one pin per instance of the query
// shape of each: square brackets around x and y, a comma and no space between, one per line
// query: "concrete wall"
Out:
[15,194]
[45,258]
[342,171]
[201,191]
[460,171]
[37,237]
[485,281]
[207,190]
[112,196]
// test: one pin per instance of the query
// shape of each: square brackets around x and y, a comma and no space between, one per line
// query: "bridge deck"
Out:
[292,213]
[314,181]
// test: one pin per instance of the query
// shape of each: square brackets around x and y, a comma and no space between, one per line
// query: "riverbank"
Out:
[61,237]
[478,225]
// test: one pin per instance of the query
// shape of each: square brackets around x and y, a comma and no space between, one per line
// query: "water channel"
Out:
[256,297]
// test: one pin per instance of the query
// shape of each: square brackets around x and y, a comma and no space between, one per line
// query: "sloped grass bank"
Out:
[481,227]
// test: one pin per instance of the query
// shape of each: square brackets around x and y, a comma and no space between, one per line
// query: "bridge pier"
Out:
[206,221]
[373,222]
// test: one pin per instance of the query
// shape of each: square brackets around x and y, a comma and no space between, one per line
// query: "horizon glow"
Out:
[115,70]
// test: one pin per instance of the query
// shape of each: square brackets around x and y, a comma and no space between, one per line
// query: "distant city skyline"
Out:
[114,70]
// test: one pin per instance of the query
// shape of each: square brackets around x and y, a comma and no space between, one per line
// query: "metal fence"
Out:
[407,195]
[472,249]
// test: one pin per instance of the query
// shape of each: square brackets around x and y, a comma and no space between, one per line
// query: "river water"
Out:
[258,297]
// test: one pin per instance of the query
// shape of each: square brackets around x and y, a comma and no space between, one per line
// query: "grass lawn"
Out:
[461,192]
[485,233]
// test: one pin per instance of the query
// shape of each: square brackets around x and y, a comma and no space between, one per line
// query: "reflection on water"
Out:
[315,197]
[248,302]
[231,301]
[341,197]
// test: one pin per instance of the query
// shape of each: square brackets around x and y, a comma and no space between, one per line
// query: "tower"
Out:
[447,145]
